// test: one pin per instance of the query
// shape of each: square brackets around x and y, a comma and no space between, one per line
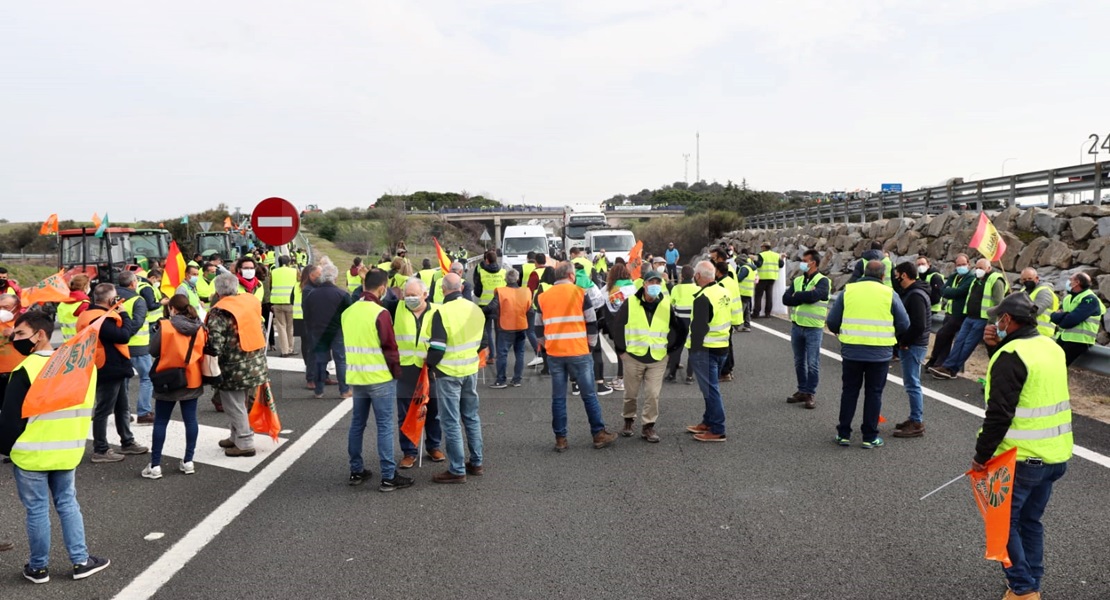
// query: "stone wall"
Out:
[1056,243]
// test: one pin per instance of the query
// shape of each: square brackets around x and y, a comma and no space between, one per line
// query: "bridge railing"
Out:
[996,192]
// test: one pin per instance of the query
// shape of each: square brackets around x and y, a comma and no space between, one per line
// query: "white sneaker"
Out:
[152,472]
[535,362]
[187,467]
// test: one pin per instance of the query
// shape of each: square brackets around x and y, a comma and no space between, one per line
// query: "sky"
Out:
[150,110]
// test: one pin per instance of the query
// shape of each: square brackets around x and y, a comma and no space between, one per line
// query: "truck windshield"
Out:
[150,245]
[97,252]
[614,243]
[524,245]
[212,243]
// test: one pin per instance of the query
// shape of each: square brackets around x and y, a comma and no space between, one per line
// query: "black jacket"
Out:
[919,308]
[12,422]
[323,311]
[116,365]
[867,256]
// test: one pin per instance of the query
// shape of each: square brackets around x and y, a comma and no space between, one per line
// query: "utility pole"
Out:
[697,155]
[686,168]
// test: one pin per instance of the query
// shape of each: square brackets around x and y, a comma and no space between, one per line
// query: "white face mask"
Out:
[6,316]
[413,302]
[980,273]
[922,269]
[248,273]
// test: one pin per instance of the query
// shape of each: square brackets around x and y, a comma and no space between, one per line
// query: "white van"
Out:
[615,242]
[518,241]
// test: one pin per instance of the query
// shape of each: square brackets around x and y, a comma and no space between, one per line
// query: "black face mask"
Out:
[24,347]
[3,284]
[1029,286]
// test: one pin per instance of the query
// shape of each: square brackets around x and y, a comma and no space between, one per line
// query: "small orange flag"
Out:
[49,226]
[444,262]
[483,358]
[414,418]
[264,417]
[636,259]
[96,220]
[993,490]
[51,289]
[227,223]
[66,378]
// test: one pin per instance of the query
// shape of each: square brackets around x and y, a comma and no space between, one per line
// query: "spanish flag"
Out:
[444,262]
[987,240]
[174,272]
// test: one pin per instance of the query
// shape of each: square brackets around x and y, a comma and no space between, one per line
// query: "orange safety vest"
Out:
[564,325]
[93,313]
[247,311]
[175,345]
[9,358]
[513,311]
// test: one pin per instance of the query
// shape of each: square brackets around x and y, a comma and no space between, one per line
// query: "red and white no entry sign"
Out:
[275,221]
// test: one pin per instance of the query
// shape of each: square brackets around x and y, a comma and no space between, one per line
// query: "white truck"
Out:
[576,222]
[518,241]
[615,242]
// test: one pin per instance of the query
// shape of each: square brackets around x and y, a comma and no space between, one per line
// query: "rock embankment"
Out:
[1057,243]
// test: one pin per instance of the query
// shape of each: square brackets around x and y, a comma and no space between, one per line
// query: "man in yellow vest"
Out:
[373,366]
[867,317]
[511,312]
[427,272]
[746,277]
[412,324]
[457,337]
[488,276]
[682,303]
[527,268]
[136,305]
[988,289]
[1028,407]
[808,302]
[1043,297]
[768,262]
[708,343]
[1078,321]
[353,278]
[45,451]
[283,281]
[577,256]
[644,331]
[203,287]
[601,264]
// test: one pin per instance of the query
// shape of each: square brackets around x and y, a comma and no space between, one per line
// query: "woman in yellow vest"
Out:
[179,344]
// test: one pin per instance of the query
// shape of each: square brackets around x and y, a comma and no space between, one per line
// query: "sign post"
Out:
[275,221]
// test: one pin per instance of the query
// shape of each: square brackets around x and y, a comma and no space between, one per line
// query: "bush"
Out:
[327,229]
[689,234]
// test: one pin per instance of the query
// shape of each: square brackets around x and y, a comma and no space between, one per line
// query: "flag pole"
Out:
[962,475]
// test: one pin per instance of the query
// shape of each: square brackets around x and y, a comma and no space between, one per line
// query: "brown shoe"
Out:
[648,433]
[331,382]
[724,378]
[912,430]
[796,398]
[448,477]
[699,428]
[1010,595]
[436,455]
[348,394]
[709,436]
[475,470]
[627,431]
[227,443]
[811,401]
[603,438]
[147,419]
[310,386]
[239,451]
[407,462]
[561,444]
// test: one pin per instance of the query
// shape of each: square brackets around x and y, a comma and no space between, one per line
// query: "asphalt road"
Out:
[778,511]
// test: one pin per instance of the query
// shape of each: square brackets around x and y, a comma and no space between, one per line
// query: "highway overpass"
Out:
[497,217]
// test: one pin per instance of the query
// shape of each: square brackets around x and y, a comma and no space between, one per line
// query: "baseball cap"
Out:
[1017,304]
[652,275]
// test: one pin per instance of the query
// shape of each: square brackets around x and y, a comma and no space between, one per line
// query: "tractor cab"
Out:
[150,244]
[223,243]
[101,258]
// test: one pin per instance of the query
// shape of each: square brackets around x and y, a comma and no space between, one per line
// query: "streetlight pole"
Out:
[1081,151]
[1004,165]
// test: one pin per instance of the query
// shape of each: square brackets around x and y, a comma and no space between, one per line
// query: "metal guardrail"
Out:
[957,195]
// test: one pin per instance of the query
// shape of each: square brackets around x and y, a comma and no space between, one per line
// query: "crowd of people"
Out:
[387,327]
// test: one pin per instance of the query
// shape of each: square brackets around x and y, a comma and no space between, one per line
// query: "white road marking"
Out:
[147,583]
[607,349]
[275,221]
[154,535]
[1080,451]
[208,450]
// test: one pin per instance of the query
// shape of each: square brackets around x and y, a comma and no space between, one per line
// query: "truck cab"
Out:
[224,243]
[519,240]
[150,244]
[575,225]
[101,258]
[615,242]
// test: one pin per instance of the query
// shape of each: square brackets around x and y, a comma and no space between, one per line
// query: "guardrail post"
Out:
[979,195]
[1051,189]
[862,211]
[948,198]
[901,205]
[1012,200]
[1098,184]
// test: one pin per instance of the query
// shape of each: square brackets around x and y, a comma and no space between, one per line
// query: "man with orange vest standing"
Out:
[511,311]
[113,363]
[566,328]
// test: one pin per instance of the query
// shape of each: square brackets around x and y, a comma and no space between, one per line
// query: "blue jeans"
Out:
[505,341]
[971,333]
[338,353]
[871,376]
[143,364]
[111,399]
[911,379]
[433,433]
[36,488]
[581,369]
[458,409]
[163,410]
[383,397]
[707,370]
[1032,489]
[531,333]
[806,342]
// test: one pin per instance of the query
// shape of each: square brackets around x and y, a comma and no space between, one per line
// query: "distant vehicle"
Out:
[150,244]
[311,209]
[615,242]
[576,223]
[101,258]
[518,240]
[217,242]
[555,247]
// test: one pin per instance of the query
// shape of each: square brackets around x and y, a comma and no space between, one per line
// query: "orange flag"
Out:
[96,220]
[444,262]
[993,490]
[414,418]
[66,378]
[483,358]
[174,270]
[264,417]
[50,225]
[51,289]
[636,259]
[227,223]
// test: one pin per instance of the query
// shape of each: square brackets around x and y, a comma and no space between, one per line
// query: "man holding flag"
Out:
[1028,408]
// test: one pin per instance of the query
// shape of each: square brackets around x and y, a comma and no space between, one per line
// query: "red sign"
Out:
[275,221]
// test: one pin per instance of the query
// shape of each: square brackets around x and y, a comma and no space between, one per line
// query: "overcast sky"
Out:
[151,109]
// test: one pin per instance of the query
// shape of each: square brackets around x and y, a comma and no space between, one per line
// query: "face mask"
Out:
[980,273]
[6,316]
[961,270]
[193,280]
[248,273]
[24,347]
[1001,332]
[3,284]
[809,267]
[922,269]
[413,302]
[655,290]
[209,276]
[1029,286]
